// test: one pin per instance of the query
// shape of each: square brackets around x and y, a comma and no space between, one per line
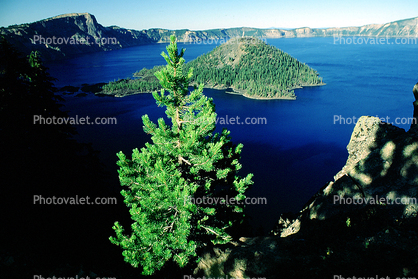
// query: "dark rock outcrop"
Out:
[414,124]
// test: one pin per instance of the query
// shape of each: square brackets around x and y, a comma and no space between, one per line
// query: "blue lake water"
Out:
[301,147]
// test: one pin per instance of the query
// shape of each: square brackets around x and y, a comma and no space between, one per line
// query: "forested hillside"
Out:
[250,66]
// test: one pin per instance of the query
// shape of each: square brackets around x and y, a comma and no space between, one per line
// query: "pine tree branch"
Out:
[217,234]
[184,160]
[170,227]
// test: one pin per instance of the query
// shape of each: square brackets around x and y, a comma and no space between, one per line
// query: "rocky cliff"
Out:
[364,223]
[69,34]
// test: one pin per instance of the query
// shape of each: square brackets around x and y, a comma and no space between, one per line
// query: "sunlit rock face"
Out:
[381,169]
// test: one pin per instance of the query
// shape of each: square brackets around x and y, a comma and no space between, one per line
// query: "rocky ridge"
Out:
[92,36]
[70,34]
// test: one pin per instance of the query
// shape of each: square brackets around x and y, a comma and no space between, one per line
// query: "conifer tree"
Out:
[176,186]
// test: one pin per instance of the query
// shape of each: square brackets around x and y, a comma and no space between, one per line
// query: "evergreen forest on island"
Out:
[247,66]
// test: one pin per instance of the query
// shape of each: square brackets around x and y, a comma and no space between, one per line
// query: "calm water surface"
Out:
[299,149]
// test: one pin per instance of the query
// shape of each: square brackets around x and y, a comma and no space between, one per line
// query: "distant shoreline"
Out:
[260,98]
[268,98]
[223,88]
[243,93]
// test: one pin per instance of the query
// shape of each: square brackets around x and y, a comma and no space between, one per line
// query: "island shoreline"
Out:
[222,88]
